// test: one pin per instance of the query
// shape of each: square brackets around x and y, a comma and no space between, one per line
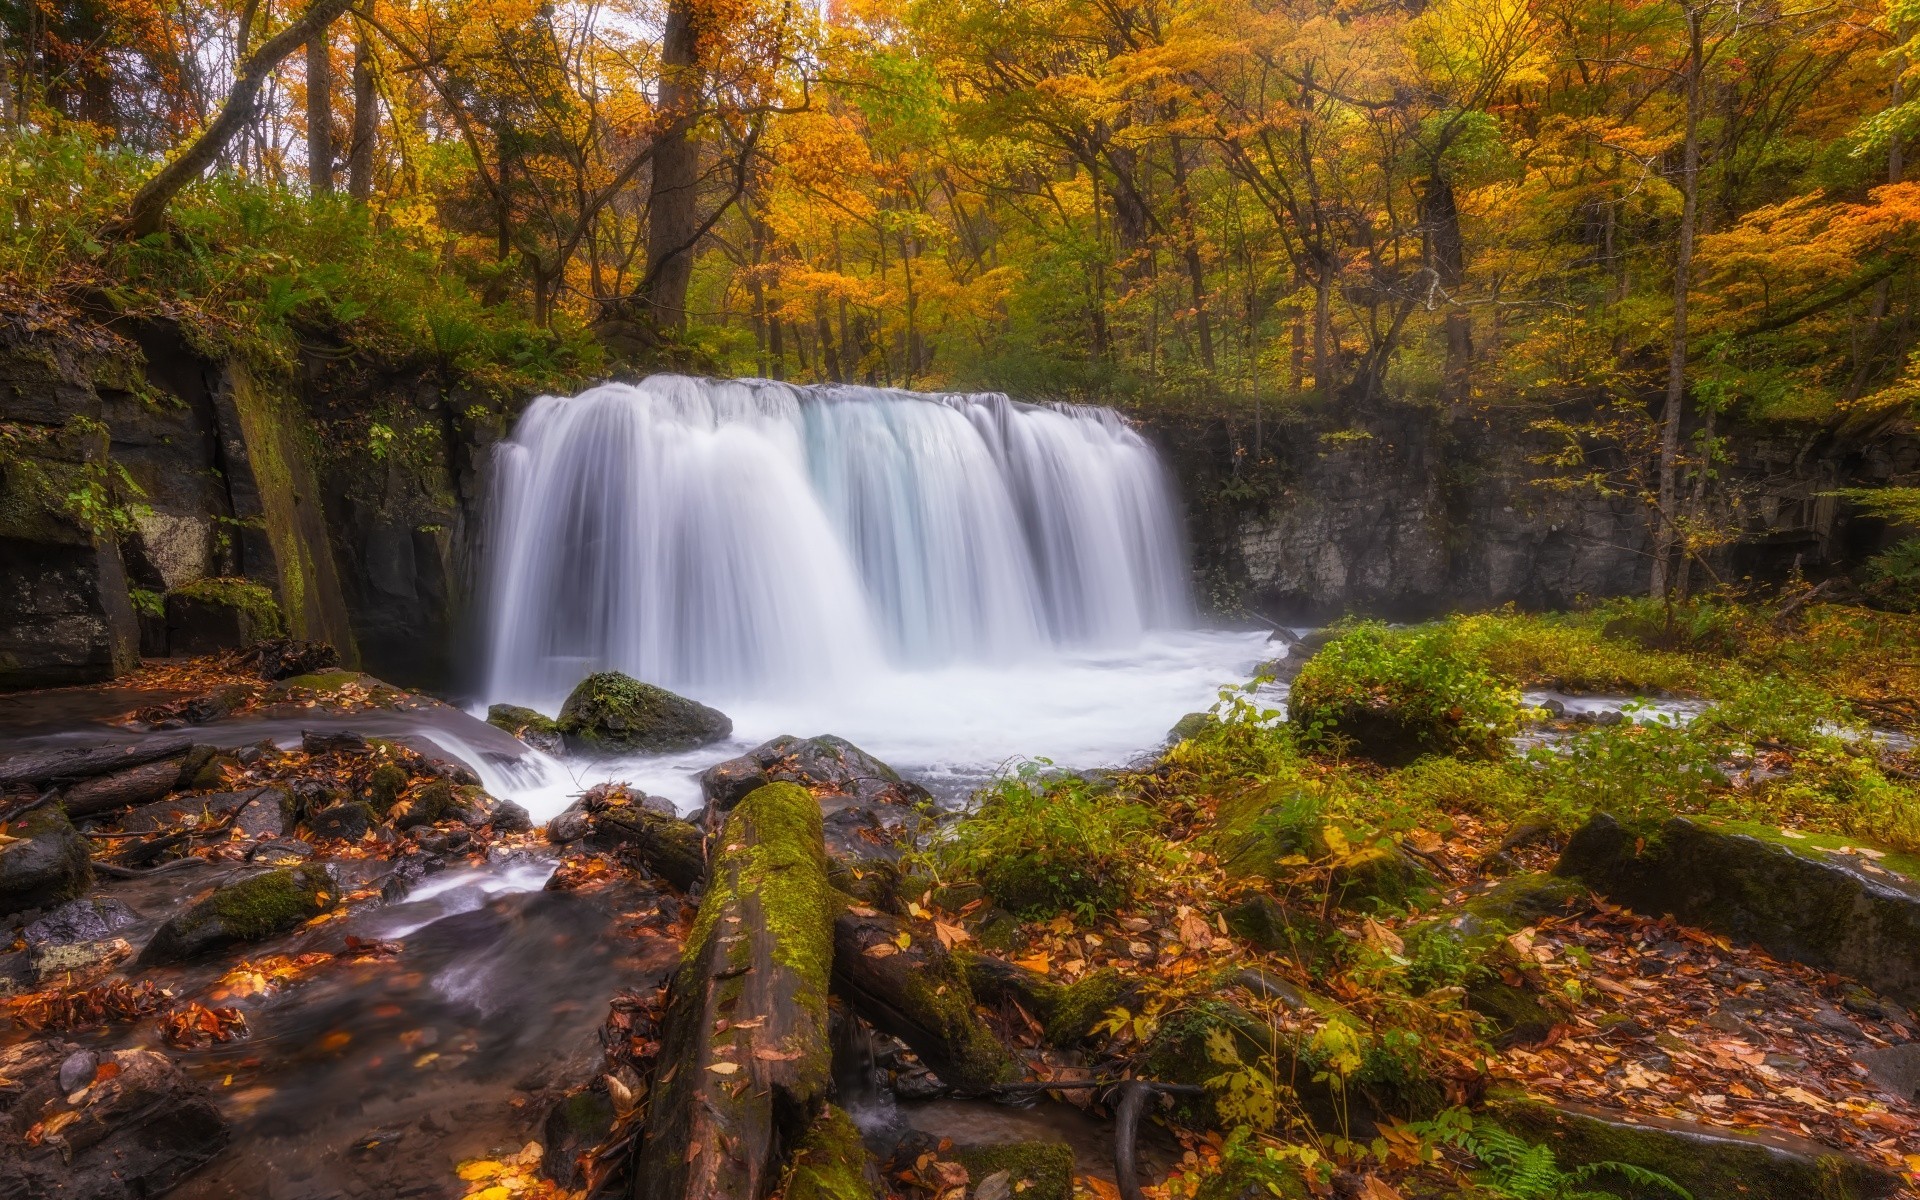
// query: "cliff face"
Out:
[356,492]
[1409,512]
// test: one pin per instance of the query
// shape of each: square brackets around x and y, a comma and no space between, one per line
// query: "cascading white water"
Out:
[746,537]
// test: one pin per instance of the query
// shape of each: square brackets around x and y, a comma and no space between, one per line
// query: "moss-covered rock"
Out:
[899,976]
[1513,904]
[1302,935]
[534,728]
[347,820]
[1253,1177]
[321,682]
[1395,696]
[1513,1015]
[50,864]
[611,712]
[1035,1170]
[832,1163]
[1254,834]
[384,787]
[248,911]
[220,614]
[1081,1005]
[1191,726]
[1797,899]
[1379,878]
[1710,1162]
[430,805]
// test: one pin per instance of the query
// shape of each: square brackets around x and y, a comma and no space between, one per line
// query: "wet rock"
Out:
[281,852]
[384,787]
[535,729]
[265,816]
[321,741]
[1191,726]
[130,1133]
[1894,1069]
[49,864]
[443,800]
[210,615]
[824,765]
[347,820]
[215,703]
[574,1125]
[80,921]
[282,658]
[674,849]
[570,826]
[248,911]
[1515,1016]
[504,815]
[610,713]
[1710,1162]
[76,958]
[831,1162]
[405,875]
[1796,900]
[187,811]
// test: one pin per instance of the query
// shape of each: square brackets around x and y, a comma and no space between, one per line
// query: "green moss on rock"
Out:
[50,863]
[832,1163]
[1080,1006]
[1035,1170]
[1304,936]
[384,787]
[513,718]
[1248,1176]
[612,712]
[1396,695]
[248,911]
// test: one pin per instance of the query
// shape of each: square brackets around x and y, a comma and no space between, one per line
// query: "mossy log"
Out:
[43,767]
[899,977]
[832,1163]
[673,849]
[745,1055]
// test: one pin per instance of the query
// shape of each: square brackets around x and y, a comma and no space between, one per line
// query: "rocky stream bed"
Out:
[269,933]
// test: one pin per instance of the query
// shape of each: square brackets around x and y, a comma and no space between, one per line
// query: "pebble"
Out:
[78,1070]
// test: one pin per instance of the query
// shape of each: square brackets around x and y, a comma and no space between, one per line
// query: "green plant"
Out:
[1632,770]
[1777,710]
[1042,844]
[1893,577]
[1521,1170]
[1398,694]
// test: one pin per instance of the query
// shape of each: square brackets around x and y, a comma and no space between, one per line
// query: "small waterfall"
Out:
[728,537]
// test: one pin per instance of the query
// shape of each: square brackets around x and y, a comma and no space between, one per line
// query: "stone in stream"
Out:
[743,1066]
[49,863]
[869,812]
[345,821]
[251,910]
[209,615]
[832,1163]
[611,713]
[80,921]
[1798,898]
[128,1133]
[535,729]
[1033,1170]
[1711,1162]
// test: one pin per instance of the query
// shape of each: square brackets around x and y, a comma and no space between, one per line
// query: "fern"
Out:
[1520,1170]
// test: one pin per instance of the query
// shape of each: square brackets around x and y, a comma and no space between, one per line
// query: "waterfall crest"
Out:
[729,536]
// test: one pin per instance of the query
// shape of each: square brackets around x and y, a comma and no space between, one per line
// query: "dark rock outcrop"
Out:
[50,863]
[1797,899]
[251,910]
[612,713]
[535,729]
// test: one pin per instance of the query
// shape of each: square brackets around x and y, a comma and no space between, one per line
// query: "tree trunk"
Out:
[1666,528]
[149,205]
[42,767]
[744,1060]
[124,789]
[919,994]
[1190,251]
[1447,259]
[366,120]
[673,216]
[320,114]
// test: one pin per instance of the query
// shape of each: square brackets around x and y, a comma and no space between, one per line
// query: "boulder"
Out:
[282,658]
[209,615]
[48,864]
[613,713]
[535,729]
[79,921]
[1709,1161]
[1033,1170]
[469,804]
[123,1125]
[1800,899]
[345,821]
[76,958]
[869,811]
[248,911]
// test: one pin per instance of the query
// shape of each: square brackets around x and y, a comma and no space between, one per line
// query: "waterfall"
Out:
[734,537]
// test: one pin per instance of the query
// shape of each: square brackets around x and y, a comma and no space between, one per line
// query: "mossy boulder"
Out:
[49,864]
[1397,695]
[1711,1162]
[536,729]
[1256,834]
[322,682]
[384,787]
[1191,726]
[1513,904]
[611,713]
[209,615]
[346,821]
[251,910]
[1301,934]
[1379,878]
[1514,1016]
[1253,1177]
[832,1162]
[1035,1170]
[1802,900]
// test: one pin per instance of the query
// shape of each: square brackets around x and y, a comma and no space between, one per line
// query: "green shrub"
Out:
[1452,785]
[1041,846]
[1631,770]
[1893,578]
[1396,695]
[1704,626]
[1568,651]
[1773,709]
[1844,793]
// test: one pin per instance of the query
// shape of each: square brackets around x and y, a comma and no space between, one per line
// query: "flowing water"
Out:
[950,581]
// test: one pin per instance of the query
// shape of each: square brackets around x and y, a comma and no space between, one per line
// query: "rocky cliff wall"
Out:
[1408,512]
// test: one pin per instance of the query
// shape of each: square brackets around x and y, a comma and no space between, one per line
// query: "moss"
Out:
[267,904]
[1306,937]
[319,681]
[1514,1016]
[1379,878]
[1255,832]
[430,805]
[1035,1170]
[1513,904]
[832,1163]
[1710,1162]
[1250,1176]
[515,719]
[611,711]
[384,787]
[773,851]
[1080,1006]
[998,929]
[253,599]
[941,999]
[212,773]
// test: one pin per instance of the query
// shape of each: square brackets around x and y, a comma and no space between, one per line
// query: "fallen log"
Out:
[673,849]
[44,767]
[124,789]
[899,977]
[744,1060]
